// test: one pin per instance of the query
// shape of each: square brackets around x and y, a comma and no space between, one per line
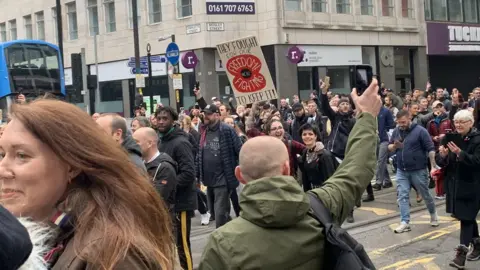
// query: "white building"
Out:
[335,34]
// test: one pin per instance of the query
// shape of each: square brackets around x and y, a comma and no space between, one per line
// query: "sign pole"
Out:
[136,44]
[149,84]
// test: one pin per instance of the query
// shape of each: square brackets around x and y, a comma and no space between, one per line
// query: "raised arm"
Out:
[347,184]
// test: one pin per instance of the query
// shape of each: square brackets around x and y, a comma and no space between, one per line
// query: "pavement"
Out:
[422,248]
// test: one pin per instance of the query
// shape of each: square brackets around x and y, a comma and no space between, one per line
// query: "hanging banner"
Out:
[247,70]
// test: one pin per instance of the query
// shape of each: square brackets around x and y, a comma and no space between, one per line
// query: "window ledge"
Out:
[155,23]
[184,18]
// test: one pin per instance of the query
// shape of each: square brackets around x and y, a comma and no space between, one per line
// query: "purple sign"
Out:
[453,39]
[189,60]
[231,7]
[295,55]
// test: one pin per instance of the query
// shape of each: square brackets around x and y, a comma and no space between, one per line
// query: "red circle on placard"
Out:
[246,69]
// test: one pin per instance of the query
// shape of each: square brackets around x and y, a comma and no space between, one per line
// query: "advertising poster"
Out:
[247,70]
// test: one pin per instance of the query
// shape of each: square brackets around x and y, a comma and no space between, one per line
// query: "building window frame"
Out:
[323,4]
[368,7]
[12,29]
[72,19]
[461,10]
[408,11]
[28,25]
[387,8]
[93,22]
[343,7]
[40,25]
[55,25]
[110,16]
[181,8]
[476,13]
[293,5]
[3,32]
[153,13]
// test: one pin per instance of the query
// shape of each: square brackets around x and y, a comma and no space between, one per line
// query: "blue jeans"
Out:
[419,179]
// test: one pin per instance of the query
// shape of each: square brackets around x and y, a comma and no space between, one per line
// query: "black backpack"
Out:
[342,251]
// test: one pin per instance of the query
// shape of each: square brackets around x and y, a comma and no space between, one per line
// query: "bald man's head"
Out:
[262,156]
[147,139]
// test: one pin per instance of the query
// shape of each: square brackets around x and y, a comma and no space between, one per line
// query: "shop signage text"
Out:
[447,38]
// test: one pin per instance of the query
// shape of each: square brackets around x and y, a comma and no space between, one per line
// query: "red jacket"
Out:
[436,130]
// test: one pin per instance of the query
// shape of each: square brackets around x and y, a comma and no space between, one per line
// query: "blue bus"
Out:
[30,67]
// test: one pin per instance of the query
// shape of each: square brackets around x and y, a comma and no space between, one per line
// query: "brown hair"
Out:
[110,198]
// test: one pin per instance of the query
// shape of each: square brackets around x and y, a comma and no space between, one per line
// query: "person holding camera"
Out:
[459,157]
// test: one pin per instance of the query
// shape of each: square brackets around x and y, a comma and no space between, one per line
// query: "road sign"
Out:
[173,53]
[143,70]
[139,81]
[144,60]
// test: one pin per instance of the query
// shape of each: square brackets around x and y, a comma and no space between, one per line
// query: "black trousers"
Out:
[235,203]
[468,231]
[183,226]
[202,202]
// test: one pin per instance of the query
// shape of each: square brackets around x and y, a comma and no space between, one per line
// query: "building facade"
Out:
[333,34]
[453,39]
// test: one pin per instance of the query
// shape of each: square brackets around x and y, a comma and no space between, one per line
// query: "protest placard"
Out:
[247,70]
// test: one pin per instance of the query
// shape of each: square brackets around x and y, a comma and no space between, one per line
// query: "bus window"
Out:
[33,68]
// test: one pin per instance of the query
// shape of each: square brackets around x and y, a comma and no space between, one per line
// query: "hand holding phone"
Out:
[362,78]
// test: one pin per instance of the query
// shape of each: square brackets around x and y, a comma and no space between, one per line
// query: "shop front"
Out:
[321,61]
[453,54]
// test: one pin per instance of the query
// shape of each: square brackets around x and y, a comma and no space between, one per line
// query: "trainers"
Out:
[475,253]
[377,187]
[440,197]
[460,257]
[434,220]
[404,227]
[205,219]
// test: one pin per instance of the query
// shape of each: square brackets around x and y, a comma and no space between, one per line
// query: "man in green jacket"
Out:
[274,230]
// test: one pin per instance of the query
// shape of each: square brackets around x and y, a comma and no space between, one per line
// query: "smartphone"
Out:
[327,80]
[362,76]
[197,85]
[456,139]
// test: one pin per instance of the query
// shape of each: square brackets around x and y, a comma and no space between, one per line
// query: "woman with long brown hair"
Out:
[59,168]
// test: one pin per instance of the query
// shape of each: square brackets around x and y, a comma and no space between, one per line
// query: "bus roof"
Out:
[27,41]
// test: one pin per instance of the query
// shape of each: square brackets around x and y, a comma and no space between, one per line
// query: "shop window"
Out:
[188,81]
[304,83]
[111,91]
[455,11]
[339,79]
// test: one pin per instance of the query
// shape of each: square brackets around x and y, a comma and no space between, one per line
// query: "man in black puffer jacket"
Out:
[175,142]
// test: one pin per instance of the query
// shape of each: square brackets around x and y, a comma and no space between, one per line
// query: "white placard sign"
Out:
[247,70]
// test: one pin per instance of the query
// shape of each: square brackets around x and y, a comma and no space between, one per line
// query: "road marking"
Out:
[430,236]
[440,218]
[426,262]
[377,211]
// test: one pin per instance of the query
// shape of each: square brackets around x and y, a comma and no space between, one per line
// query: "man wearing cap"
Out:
[216,161]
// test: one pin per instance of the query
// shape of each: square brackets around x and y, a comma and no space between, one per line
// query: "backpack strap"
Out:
[289,142]
[321,212]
